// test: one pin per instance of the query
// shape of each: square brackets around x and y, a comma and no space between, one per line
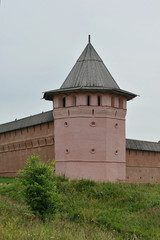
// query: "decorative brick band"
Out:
[82,111]
[32,143]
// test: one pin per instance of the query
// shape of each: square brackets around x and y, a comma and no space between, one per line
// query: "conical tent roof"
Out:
[89,74]
[89,71]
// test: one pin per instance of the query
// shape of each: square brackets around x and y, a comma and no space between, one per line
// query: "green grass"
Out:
[7,180]
[90,211]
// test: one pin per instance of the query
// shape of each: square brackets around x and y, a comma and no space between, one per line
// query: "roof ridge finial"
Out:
[89,38]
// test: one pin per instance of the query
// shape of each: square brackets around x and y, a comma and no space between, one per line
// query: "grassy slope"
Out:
[90,211]
[5,180]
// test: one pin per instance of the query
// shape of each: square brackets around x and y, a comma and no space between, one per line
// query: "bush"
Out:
[38,187]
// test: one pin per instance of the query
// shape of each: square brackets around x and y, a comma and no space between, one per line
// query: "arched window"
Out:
[63,102]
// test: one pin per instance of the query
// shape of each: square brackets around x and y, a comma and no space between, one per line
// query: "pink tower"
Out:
[89,122]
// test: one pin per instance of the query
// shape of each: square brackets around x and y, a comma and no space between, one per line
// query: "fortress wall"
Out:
[17,145]
[142,166]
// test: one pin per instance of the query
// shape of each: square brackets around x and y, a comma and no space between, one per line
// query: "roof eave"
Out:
[49,94]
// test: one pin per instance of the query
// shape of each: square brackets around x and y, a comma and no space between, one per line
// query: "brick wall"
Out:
[17,145]
[142,166]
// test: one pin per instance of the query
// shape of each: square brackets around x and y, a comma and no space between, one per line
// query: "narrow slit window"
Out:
[88,100]
[75,100]
[63,102]
[99,100]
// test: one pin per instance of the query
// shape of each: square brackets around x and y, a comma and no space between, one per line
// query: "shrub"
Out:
[38,187]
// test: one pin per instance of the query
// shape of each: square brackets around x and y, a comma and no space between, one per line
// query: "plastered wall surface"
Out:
[17,145]
[90,139]
[142,166]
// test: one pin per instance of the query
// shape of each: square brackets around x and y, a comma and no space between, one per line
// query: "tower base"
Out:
[97,171]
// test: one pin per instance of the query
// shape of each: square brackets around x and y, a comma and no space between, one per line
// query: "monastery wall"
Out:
[142,166]
[17,145]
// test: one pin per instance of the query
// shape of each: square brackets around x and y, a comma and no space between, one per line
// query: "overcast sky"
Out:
[40,42]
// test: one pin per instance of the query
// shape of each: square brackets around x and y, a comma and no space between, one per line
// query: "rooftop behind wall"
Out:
[139,145]
[27,122]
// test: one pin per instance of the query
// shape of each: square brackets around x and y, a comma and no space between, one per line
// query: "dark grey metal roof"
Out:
[89,71]
[27,122]
[89,74]
[142,145]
